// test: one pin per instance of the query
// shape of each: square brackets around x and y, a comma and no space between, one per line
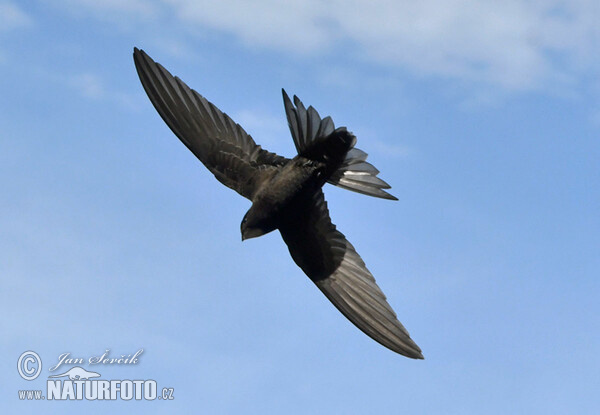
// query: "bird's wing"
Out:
[354,173]
[333,265]
[222,145]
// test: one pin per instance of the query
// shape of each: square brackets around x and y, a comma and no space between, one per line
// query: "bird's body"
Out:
[275,199]
[287,194]
[297,176]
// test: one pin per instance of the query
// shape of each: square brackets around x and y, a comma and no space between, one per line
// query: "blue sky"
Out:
[484,117]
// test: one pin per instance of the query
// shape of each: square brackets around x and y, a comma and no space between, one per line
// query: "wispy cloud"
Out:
[116,10]
[267,129]
[381,146]
[91,86]
[513,45]
[294,26]
[12,17]
[389,150]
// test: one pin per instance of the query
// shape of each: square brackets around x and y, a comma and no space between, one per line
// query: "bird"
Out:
[286,193]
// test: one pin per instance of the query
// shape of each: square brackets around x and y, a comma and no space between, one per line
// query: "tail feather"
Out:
[360,167]
[355,156]
[309,132]
[361,178]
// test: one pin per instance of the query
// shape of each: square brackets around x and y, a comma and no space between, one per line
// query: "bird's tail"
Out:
[318,139]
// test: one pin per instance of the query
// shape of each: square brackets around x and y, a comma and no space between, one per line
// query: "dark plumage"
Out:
[286,193]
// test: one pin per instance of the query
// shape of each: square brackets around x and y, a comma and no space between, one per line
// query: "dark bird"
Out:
[287,194]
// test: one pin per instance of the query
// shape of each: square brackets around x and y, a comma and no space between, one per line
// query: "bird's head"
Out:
[251,228]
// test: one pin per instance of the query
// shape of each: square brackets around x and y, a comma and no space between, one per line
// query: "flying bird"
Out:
[286,194]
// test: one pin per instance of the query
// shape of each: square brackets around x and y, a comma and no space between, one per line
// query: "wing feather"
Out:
[220,143]
[333,264]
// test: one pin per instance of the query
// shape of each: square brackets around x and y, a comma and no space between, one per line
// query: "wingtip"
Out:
[139,55]
[286,98]
[408,349]
[419,354]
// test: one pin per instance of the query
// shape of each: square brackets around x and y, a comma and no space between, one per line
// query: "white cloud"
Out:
[117,10]
[12,17]
[389,150]
[268,130]
[512,44]
[479,40]
[91,86]
[296,26]
[516,44]
[382,147]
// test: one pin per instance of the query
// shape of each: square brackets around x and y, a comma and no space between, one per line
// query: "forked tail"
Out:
[316,137]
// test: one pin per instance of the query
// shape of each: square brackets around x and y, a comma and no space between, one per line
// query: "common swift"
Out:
[287,194]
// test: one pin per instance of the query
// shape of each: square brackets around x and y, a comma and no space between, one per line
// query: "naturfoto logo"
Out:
[78,383]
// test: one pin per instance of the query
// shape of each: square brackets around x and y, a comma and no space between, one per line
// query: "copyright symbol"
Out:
[26,369]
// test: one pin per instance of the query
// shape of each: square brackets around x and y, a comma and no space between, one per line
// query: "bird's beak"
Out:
[250,233]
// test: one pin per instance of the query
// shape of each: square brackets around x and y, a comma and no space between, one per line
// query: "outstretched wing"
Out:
[354,173]
[331,262]
[221,145]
